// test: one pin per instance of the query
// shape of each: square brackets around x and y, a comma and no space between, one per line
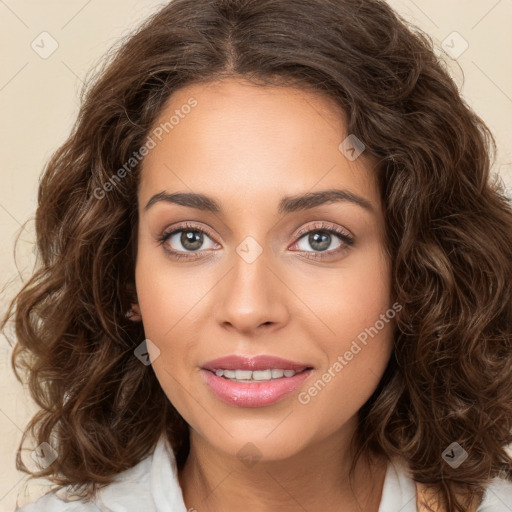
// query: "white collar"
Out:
[155,480]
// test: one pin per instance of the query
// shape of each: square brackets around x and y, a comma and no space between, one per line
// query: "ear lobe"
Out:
[134,314]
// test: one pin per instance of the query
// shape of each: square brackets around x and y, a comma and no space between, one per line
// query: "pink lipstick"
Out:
[254,381]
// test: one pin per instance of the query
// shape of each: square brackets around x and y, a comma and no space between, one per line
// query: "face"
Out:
[243,267]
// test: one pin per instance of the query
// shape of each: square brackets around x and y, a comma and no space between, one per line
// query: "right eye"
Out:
[185,239]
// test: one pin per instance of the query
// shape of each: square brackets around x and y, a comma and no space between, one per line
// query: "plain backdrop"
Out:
[39,102]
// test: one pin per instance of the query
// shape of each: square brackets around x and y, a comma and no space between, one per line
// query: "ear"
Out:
[134,314]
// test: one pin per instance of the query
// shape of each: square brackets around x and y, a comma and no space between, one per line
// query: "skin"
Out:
[247,146]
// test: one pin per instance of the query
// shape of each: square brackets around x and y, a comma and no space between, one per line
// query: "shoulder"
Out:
[131,487]
[51,503]
[400,490]
[497,497]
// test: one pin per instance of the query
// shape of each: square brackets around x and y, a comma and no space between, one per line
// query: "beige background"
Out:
[39,100]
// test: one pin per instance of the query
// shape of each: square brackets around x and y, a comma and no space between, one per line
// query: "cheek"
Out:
[355,334]
[349,299]
[169,300]
[355,361]
[164,301]
[166,294]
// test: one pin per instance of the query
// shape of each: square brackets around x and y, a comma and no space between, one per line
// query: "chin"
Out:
[263,441]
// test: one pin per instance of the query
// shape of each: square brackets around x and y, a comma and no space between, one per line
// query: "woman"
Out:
[274,274]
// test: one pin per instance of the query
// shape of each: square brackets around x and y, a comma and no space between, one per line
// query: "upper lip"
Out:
[259,362]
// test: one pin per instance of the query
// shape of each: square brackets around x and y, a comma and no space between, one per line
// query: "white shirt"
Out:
[153,486]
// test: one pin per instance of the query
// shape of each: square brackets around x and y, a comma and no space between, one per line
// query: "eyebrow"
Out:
[287,204]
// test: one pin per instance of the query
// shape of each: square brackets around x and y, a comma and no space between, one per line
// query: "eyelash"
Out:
[320,227]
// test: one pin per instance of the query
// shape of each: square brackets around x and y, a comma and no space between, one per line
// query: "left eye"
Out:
[321,240]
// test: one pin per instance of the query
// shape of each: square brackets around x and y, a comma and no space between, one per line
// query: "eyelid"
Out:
[168,232]
[321,225]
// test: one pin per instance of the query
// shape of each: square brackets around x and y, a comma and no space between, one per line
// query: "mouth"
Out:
[270,374]
[254,363]
[255,381]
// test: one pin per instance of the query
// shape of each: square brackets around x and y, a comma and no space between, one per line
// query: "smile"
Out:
[260,389]
[256,375]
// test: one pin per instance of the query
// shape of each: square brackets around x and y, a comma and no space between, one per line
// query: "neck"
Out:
[315,479]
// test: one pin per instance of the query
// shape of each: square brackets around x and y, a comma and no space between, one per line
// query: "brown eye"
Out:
[190,240]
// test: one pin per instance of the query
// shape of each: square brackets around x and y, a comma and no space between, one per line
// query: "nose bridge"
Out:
[251,294]
[250,261]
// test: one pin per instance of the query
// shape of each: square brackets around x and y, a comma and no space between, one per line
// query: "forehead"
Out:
[254,141]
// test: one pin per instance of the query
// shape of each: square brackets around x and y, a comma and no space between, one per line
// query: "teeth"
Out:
[256,375]
[262,375]
[242,374]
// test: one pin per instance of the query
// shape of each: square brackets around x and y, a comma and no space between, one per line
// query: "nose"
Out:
[252,297]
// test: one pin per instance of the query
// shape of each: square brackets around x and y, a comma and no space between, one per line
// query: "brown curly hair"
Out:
[448,231]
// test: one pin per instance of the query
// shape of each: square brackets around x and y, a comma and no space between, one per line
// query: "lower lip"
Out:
[253,394]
